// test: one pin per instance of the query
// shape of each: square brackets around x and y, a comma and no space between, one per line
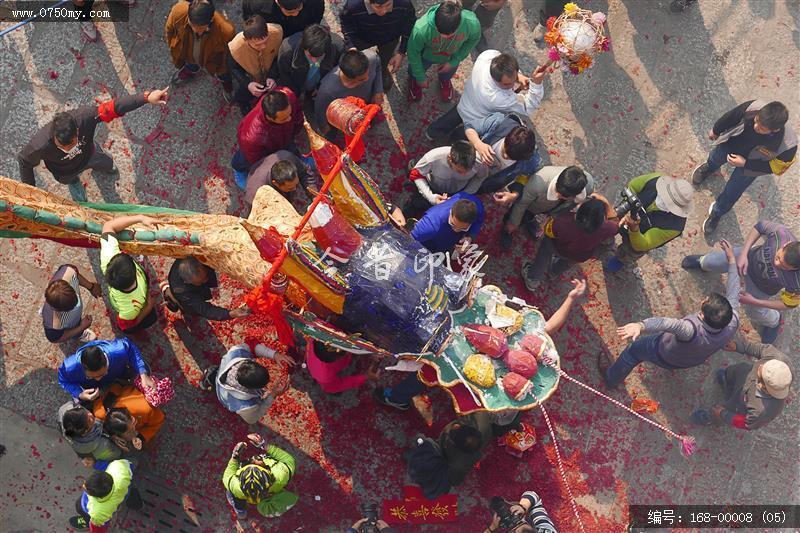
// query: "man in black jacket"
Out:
[291,15]
[754,139]
[189,291]
[305,58]
[382,23]
[67,145]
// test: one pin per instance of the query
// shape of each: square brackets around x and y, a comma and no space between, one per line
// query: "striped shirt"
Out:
[56,322]
[537,516]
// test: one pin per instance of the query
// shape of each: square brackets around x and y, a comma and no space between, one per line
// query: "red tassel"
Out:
[688,445]
[260,300]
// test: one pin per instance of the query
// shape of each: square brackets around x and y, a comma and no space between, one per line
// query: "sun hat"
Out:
[675,194]
[777,377]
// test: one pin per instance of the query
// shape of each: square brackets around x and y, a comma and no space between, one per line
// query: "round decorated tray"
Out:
[440,372]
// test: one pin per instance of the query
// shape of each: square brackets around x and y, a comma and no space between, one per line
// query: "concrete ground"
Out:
[644,106]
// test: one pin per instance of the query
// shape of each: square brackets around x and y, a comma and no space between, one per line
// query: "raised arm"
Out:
[559,318]
[115,225]
[732,286]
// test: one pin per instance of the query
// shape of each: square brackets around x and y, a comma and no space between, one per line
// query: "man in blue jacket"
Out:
[98,364]
[457,219]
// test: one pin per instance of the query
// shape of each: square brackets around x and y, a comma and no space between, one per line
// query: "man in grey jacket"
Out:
[680,343]
[755,394]
[549,191]
[85,433]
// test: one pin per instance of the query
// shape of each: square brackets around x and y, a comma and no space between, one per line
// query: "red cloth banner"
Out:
[415,509]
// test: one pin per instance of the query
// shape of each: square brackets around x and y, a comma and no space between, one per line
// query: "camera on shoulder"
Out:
[508,518]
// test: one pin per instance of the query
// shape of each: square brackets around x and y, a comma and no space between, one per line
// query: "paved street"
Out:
[645,106]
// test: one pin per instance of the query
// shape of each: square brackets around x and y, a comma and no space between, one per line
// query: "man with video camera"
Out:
[370,523]
[526,516]
[653,211]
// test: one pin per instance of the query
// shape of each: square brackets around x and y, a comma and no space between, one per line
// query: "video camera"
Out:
[370,512]
[630,203]
[508,519]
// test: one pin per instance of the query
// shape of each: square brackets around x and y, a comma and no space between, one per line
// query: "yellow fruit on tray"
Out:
[479,370]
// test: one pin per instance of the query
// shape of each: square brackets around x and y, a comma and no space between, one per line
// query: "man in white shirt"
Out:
[491,93]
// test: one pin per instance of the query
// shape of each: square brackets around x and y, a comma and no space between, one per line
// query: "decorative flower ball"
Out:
[575,37]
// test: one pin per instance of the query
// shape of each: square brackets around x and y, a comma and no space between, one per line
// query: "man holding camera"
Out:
[528,515]
[653,215]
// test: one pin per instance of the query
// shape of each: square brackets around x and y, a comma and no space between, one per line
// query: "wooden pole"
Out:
[372,111]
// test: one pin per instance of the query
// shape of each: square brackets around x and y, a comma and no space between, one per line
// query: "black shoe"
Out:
[79,523]
[380,397]
[209,377]
[388,83]
[532,227]
[712,221]
[558,266]
[769,335]
[531,283]
[677,6]
[134,500]
[691,262]
[720,375]
[701,417]
[506,239]
[603,363]
[700,173]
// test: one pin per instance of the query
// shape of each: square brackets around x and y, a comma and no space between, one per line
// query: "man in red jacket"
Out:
[273,124]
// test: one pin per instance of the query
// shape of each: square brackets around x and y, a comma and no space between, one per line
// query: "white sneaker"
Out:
[87,336]
[89,30]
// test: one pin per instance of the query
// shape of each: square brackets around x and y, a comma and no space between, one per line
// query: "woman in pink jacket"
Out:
[326,363]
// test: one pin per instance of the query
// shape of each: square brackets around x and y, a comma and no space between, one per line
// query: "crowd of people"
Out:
[284,67]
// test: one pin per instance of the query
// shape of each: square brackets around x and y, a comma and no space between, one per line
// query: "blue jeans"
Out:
[239,162]
[443,76]
[494,127]
[444,127]
[507,176]
[77,191]
[640,350]
[734,188]
[405,390]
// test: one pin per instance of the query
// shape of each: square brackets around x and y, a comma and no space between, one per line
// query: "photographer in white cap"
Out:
[754,393]
[667,201]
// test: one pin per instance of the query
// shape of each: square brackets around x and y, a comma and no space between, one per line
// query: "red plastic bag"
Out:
[533,344]
[333,233]
[486,339]
[516,386]
[521,362]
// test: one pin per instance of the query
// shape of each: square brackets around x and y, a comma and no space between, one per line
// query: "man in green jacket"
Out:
[443,36]
[103,493]
[667,201]
[260,480]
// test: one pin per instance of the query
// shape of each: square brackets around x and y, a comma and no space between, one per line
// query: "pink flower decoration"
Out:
[158,395]
[598,18]
[575,70]
[605,44]
[553,55]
